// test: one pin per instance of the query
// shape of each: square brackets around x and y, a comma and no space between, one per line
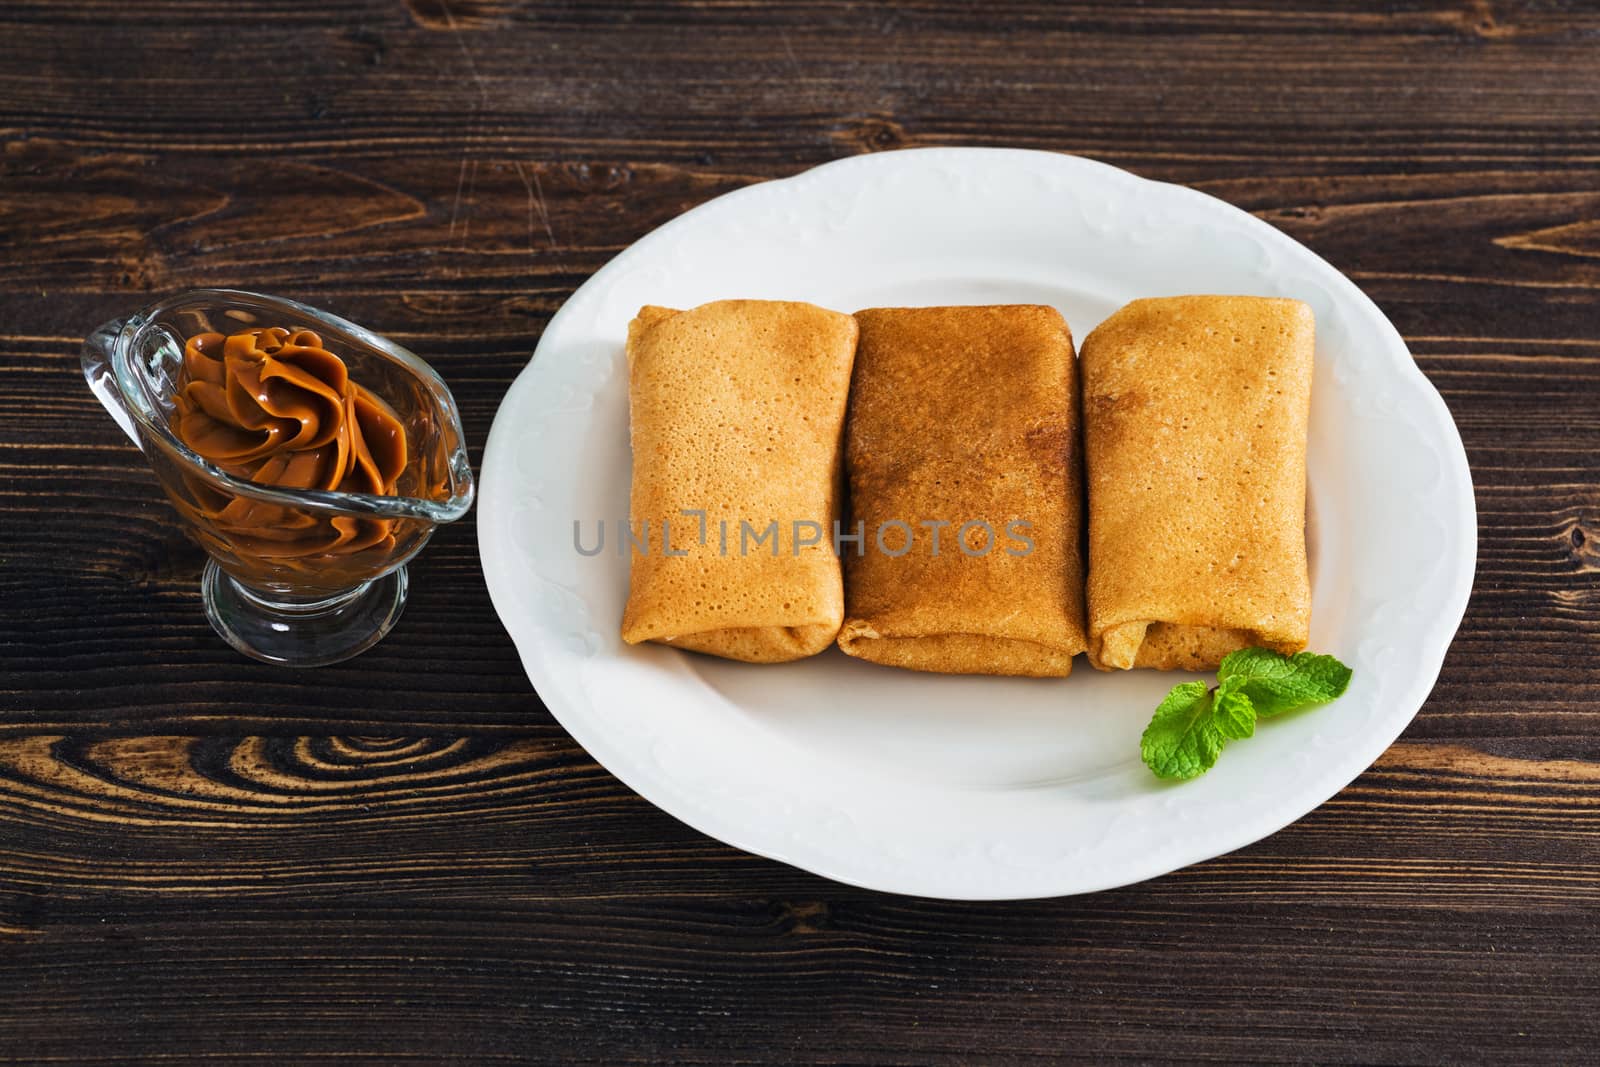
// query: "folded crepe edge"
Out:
[1125,645]
[860,639]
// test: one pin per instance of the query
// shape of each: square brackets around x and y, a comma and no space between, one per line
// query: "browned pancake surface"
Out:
[736,408]
[1195,416]
[961,414]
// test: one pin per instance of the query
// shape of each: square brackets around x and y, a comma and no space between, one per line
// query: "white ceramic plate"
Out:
[972,788]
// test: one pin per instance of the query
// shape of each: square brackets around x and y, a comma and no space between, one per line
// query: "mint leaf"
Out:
[1182,741]
[1275,683]
[1233,713]
[1188,730]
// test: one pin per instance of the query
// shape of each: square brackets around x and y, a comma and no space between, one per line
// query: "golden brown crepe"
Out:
[1194,415]
[963,415]
[736,409]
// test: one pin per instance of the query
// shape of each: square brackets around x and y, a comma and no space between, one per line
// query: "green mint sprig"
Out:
[1188,730]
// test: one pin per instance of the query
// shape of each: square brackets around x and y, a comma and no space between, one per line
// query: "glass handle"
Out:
[96,359]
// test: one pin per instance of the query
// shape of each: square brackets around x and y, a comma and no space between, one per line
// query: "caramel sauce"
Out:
[276,407]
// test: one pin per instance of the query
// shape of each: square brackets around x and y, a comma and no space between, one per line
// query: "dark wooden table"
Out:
[404,859]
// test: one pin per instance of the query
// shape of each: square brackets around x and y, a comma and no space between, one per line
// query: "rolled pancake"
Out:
[1195,411]
[961,415]
[736,409]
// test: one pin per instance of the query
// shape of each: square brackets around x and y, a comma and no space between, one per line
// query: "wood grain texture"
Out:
[204,859]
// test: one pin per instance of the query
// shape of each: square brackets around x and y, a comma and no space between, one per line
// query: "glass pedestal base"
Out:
[302,631]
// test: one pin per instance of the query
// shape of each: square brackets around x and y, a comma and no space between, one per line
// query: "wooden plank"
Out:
[204,858]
